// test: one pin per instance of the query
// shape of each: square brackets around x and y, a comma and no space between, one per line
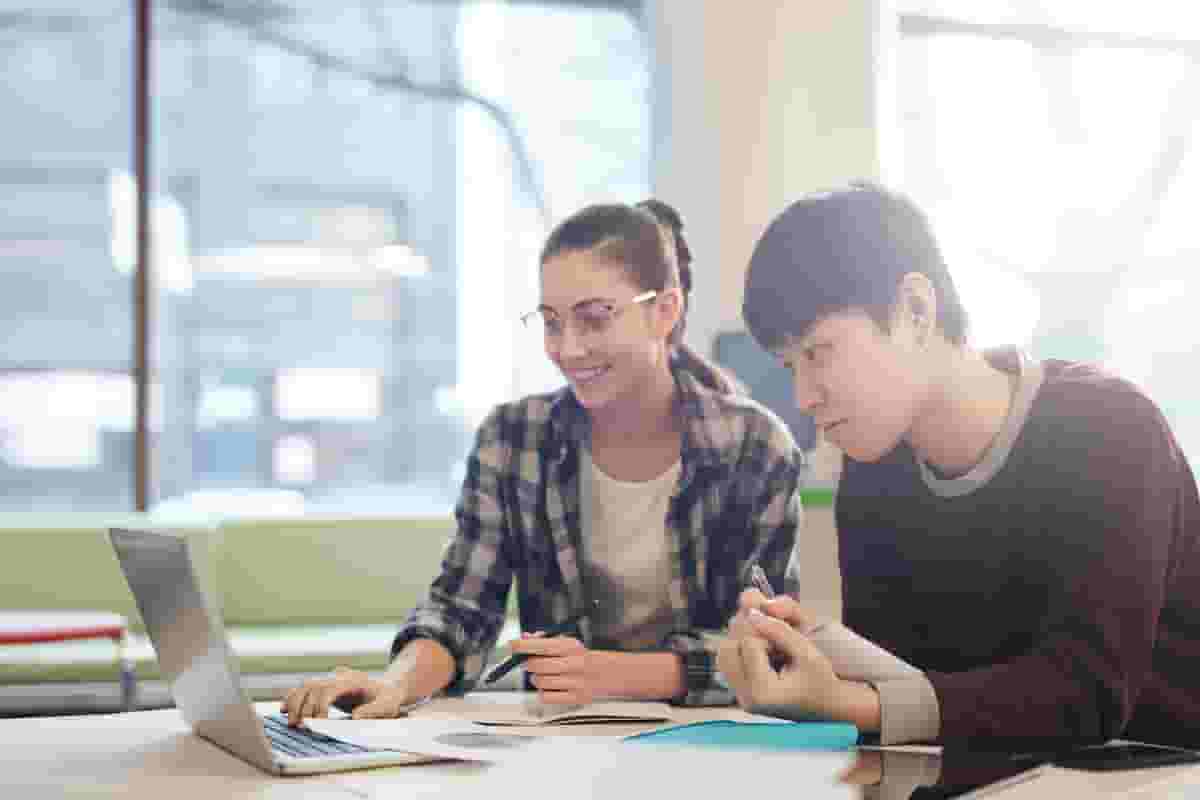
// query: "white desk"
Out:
[152,754]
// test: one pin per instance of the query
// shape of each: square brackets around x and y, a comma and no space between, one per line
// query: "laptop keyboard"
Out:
[304,743]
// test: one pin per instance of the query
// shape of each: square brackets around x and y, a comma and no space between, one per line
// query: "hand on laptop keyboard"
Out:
[347,689]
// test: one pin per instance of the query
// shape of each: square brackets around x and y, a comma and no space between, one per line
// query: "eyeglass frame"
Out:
[615,310]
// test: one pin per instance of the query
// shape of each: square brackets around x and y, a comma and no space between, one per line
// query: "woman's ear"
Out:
[668,310]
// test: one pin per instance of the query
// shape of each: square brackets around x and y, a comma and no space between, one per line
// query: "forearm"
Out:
[641,676]
[425,666]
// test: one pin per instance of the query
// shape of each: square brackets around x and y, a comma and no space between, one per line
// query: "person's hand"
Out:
[804,683]
[560,668]
[349,690]
[867,769]
[781,607]
[748,599]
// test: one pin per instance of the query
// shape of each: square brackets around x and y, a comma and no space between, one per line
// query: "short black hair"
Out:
[847,248]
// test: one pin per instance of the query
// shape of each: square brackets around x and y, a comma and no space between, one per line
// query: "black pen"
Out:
[507,665]
[759,578]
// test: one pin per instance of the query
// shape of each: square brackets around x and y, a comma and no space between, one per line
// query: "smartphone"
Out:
[1125,755]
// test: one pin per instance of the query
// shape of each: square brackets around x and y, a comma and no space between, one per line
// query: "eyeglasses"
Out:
[590,318]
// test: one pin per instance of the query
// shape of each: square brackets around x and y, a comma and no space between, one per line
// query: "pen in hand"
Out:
[507,665]
[758,577]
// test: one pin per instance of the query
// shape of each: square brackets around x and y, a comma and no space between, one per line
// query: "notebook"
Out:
[536,713]
[730,734]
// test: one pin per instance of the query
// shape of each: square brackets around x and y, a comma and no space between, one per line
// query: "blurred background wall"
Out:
[347,202]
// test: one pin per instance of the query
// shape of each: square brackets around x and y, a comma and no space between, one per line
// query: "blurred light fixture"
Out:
[306,263]
[172,268]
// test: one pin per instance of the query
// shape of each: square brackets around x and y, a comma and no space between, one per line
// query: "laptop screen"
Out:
[186,632]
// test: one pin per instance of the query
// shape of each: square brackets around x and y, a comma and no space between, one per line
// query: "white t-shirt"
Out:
[627,556]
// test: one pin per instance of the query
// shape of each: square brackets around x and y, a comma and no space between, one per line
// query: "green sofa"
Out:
[297,595]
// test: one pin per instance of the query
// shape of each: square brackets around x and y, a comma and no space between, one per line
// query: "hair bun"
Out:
[669,218]
[664,213]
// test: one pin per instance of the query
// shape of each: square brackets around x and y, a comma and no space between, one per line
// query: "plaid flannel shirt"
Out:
[736,504]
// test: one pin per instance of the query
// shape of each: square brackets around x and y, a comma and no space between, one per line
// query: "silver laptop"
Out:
[187,633]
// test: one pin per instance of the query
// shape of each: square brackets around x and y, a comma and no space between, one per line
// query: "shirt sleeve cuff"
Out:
[904,773]
[909,710]
[703,684]
[442,637]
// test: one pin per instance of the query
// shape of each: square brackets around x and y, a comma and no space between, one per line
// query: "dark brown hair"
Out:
[848,248]
[647,240]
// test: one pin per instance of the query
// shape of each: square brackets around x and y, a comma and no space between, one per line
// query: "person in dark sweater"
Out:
[1024,533]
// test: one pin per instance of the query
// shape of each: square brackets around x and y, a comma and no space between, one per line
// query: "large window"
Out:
[1057,146]
[66,322]
[347,205]
[581,84]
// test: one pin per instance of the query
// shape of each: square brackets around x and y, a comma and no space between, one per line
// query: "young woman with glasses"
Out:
[628,507]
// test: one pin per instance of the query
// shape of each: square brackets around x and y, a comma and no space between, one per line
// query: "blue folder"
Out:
[755,735]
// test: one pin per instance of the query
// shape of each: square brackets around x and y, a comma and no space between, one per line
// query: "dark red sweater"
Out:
[1060,598]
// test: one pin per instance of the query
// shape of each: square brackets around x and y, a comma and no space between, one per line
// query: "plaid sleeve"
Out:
[771,474]
[466,604]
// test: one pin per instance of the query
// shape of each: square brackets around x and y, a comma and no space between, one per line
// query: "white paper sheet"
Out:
[435,737]
[601,769]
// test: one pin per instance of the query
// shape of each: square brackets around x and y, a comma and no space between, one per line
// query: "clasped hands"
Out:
[804,683]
